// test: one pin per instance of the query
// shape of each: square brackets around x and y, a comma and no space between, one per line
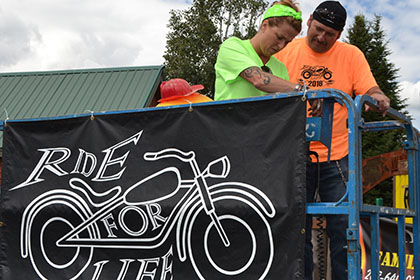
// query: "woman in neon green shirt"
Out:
[247,68]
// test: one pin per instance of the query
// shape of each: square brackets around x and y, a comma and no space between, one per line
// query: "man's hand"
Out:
[316,107]
[383,100]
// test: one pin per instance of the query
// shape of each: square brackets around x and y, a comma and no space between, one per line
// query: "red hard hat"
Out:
[176,88]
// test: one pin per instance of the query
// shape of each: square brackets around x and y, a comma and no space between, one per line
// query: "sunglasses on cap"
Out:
[330,16]
[266,69]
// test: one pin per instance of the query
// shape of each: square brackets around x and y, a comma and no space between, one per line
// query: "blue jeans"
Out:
[331,189]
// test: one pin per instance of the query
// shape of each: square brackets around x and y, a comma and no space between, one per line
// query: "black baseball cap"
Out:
[332,14]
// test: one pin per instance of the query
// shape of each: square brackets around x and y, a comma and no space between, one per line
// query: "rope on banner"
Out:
[190,109]
[92,117]
[304,89]
[7,117]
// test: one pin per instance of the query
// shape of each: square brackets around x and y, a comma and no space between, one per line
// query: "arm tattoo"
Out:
[267,78]
[256,71]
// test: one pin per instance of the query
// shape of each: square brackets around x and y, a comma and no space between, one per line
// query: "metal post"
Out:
[374,248]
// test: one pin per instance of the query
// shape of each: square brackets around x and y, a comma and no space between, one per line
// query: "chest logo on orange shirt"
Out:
[317,76]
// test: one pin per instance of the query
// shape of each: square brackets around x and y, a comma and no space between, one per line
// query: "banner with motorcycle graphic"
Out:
[202,192]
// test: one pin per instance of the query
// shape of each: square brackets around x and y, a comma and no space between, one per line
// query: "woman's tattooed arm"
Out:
[267,82]
[257,72]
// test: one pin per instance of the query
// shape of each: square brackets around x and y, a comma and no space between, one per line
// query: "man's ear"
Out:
[308,23]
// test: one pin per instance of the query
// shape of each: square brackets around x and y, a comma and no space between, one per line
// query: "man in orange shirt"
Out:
[324,62]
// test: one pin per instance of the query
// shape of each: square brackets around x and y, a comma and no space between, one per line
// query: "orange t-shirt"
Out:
[192,98]
[343,67]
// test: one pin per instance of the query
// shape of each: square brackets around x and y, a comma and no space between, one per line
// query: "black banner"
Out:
[216,192]
[388,250]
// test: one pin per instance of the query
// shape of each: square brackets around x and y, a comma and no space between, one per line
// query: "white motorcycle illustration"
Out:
[210,223]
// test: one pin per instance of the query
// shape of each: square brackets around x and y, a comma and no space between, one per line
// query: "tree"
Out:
[371,40]
[197,32]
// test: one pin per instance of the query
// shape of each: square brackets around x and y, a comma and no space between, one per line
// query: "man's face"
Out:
[275,38]
[320,37]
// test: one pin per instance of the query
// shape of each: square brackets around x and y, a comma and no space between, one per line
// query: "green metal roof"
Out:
[58,93]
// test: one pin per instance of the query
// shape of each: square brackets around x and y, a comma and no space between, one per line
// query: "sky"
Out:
[39,35]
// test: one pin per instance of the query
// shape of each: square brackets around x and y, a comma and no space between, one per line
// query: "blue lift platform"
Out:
[319,129]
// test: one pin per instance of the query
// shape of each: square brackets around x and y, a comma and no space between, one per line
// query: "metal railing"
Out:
[352,202]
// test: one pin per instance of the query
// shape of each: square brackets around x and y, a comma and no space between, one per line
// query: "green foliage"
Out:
[197,32]
[383,190]
[371,40]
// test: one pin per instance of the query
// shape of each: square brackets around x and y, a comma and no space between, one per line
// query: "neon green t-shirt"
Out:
[236,55]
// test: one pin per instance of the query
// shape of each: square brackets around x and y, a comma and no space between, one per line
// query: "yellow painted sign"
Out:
[401,199]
